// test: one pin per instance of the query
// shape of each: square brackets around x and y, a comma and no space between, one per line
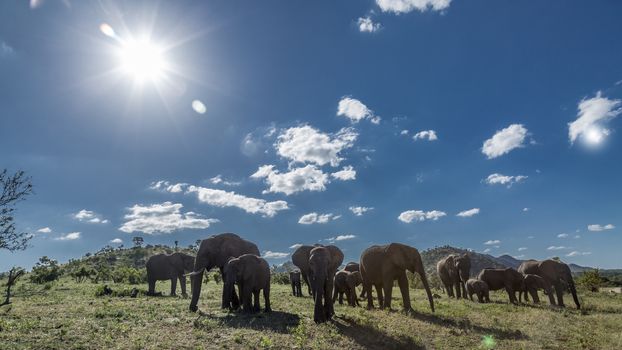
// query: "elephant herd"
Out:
[380,266]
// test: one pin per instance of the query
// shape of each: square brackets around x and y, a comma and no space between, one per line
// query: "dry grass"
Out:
[69,316]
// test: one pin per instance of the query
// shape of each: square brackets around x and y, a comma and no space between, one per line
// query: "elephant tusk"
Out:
[193,273]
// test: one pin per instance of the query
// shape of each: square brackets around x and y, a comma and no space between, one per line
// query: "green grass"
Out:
[69,316]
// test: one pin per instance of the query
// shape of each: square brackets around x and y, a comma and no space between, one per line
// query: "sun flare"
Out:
[142,59]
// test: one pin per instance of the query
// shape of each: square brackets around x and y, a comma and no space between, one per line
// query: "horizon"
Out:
[352,123]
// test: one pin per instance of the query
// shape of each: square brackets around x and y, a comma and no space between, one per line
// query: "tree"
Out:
[176,245]
[81,274]
[14,274]
[590,279]
[138,241]
[13,188]
[46,270]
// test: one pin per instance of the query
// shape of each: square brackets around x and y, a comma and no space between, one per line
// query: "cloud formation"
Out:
[315,218]
[577,253]
[558,247]
[359,211]
[340,238]
[468,213]
[492,242]
[367,25]
[405,6]
[162,218]
[268,254]
[346,174]
[354,110]
[116,241]
[44,230]
[598,228]
[305,144]
[295,246]
[309,178]
[593,113]
[420,215]
[89,216]
[429,135]
[500,179]
[505,140]
[69,237]
[216,180]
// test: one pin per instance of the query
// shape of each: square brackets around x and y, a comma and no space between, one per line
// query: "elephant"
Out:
[556,275]
[345,283]
[300,258]
[381,265]
[454,271]
[531,285]
[252,274]
[479,288]
[172,267]
[323,264]
[507,278]
[215,251]
[354,267]
[294,279]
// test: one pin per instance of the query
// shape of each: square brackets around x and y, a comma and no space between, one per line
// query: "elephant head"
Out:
[463,266]
[232,273]
[408,258]
[323,263]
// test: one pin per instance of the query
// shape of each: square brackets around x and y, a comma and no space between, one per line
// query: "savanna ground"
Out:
[68,315]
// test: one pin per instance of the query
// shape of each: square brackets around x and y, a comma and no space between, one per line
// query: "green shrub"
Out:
[280,278]
[46,270]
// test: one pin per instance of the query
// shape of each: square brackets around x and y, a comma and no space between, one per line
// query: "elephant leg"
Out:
[299,288]
[266,298]
[182,283]
[328,302]
[480,297]
[335,294]
[173,286]
[458,290]
[306,279]
[318,311]
[464,291]
[380,294]
[370,299]
[402,282]
[387,287]
[534,296]
[511,294]
[152,283]
[293,288]
[246,297]
[340,298]
[256,306]
[559,290]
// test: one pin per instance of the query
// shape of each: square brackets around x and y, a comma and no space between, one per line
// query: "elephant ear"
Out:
[397,254]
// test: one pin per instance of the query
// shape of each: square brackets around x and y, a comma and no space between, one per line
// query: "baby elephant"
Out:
[294,279]
[345,283]
[479,288]
[532,284]
[252,274]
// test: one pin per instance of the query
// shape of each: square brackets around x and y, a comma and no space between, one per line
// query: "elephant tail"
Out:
[421,271]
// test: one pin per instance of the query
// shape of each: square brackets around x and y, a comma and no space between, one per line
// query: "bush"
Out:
[591,280]
[129,275]
[280,278]
[81,274]
[46,270]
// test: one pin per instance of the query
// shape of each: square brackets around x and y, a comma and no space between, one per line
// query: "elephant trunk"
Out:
[573,290]
[228,291]
[196,280]
[419,268]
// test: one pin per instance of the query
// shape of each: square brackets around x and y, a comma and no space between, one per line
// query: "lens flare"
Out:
[595,135]
[488,342]
[107,30]
[142,59]
[199,107]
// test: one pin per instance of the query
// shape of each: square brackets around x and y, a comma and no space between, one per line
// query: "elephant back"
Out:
[223,246]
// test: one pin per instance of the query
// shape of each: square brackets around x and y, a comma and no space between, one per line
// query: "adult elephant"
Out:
[215,251]
[382,264]
[556,274]
[508,279]
[454,271]
[531,284]
[300,258]
[294,280]
[161,267]
[323,264]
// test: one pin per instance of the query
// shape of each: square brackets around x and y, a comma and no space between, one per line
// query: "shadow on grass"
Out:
[371,338]
[467,324]
[275,321]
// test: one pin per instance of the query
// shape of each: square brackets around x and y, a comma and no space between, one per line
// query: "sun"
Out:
[142,59]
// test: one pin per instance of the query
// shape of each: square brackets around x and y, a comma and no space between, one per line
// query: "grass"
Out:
[68,315]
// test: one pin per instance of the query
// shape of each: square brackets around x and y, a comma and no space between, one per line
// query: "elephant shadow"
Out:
[370,337]
[275,321]
[467,324]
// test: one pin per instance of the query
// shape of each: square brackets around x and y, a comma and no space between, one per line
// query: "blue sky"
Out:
[353,122]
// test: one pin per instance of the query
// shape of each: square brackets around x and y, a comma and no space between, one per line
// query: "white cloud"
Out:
[345,174]
[405,6]
[315,218]
[222,199]
[367,25]
[597,227]
[404,132]
[577,236]
[562,235]
[354,110]
[560,247]
[359,211]
[89,216]
[219,180]
[268,254]
[162,218]
[500,179]
[116,241]
[524,209]
[340,238]
[522,249]
[468,213]
[304,144]
[519,256]
[420,215]
[429,135]
[69,237]
[504,141]
[5,49]
[492,242]
[308,178]
[487,250]
[577,253]
[295,246]
[593,112]
[44,230]
[168,187]
[530,237]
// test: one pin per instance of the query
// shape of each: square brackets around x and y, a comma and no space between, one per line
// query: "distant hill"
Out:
[507,260]
[478,261]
